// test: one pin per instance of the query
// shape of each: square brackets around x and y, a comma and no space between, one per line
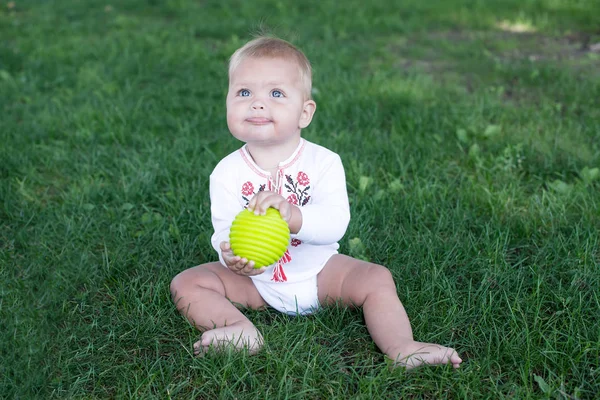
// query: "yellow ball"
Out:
[259,238]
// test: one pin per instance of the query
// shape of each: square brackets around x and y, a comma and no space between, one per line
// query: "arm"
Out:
[224,207]
[322,222]
[326,219]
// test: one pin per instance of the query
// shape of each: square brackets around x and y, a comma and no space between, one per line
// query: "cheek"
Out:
[233,113]
[231,120]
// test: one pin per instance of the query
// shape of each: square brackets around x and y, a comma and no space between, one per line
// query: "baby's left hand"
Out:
[265,199]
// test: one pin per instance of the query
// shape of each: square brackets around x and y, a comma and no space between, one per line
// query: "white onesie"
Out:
[313,179]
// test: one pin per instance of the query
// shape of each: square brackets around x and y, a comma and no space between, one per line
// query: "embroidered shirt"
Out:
[312,178]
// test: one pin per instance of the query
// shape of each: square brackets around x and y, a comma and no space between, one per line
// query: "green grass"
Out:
[471,152]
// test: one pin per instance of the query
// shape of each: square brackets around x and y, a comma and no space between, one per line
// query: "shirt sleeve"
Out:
[224,206]
[326,218]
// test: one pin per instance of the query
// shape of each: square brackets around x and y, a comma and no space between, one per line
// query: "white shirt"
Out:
[313,179]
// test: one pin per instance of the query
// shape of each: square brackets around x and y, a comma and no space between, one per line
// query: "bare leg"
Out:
[204,295]
[359,283]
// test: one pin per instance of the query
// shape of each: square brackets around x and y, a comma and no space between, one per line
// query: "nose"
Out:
[258,105]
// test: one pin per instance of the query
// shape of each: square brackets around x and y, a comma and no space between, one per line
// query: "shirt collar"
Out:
[282,165]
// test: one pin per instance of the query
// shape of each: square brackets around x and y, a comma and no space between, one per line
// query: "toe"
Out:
[455,358]
[200,346]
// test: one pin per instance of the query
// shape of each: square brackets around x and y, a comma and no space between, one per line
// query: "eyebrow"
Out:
[273,83]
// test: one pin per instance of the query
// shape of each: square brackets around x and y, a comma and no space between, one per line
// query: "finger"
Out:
[257,207]
[233,260]
[257,271]
[256,199]
[249,269]
[271,200]
[241,264]
[285,210]
[227,254]
[235,264]
[252,203]
[224,246]
[280,204]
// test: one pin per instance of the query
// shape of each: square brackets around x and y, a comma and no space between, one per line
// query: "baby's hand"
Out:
[265,199]
[240,266]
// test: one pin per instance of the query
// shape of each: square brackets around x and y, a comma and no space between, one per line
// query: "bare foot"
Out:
[415,354]
[238,336]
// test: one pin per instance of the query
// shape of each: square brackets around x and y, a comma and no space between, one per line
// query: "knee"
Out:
[380,278]
[183,282]
[194,279]
[376,281]
[178,285]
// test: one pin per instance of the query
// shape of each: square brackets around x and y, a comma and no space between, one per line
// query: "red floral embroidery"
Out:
[303,178]
[296,242]
[293,199]
[247,188]
[248,191]
[299,189]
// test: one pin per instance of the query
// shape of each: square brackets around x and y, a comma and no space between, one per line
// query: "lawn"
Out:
[470,135]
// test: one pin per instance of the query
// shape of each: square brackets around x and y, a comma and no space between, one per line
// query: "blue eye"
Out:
[244,93]
[277,93]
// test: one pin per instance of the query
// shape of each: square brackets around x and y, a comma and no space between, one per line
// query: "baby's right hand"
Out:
[240,266]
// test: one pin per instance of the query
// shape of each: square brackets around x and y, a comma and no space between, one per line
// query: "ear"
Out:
[308,110]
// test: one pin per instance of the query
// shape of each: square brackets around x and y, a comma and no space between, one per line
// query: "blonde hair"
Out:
[271,47]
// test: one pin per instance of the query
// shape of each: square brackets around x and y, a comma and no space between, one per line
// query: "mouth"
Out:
[258,121]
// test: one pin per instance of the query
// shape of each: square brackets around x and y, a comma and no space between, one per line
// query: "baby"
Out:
[268,104]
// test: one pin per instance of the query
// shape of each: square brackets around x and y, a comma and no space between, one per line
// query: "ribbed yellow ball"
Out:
[259,238]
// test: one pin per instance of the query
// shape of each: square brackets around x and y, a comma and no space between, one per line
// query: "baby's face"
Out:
[265,102]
